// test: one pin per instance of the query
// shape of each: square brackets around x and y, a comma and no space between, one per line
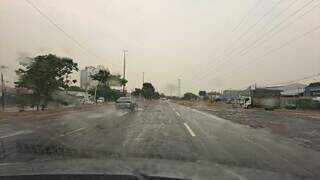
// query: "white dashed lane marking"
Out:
[189,129]
[178,114]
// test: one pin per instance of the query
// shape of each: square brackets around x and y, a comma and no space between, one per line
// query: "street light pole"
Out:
[124,69]
[3,88]
[3,92]
[142,78]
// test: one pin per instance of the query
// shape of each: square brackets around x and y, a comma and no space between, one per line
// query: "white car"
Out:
[100,100]
[126,103]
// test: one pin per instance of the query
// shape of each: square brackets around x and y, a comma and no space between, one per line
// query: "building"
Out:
[263,97]
[214,96]
[85,76]
[229,95]
[290,90]
[313,90]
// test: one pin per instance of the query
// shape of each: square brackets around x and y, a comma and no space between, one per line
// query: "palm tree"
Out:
[103,76]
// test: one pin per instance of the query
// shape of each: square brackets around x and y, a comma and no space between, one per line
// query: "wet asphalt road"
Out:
[156,130]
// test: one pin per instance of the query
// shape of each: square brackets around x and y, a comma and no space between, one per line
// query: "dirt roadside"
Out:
[34,115]
[303,127]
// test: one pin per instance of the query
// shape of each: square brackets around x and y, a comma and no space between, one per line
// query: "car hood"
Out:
[147,167]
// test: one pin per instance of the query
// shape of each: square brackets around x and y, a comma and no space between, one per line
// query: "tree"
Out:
[156,95]
[202,93]
[76,88]
[123,81]
[45,74]
[137,92]
[147,90]
[104,77]
[189,96]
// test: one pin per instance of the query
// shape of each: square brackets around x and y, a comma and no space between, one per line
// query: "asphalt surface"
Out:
[156,130]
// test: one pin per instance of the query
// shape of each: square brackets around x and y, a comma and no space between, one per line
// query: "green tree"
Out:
[123,81]
[202,93]
[104,77]
[190,96]
[76,88]
[44,75]
[147,90]
[137,92]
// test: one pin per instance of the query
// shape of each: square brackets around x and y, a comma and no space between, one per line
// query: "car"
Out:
[126,103]
[100,100]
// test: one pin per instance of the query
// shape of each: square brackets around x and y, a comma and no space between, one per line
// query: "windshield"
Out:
[196,89]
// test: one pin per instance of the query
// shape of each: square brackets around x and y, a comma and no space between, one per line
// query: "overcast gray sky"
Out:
[209,44]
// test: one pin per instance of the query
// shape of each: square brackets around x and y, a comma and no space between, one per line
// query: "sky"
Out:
[209,44]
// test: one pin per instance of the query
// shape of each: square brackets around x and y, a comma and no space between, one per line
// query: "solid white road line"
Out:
[13,163]
[178,114]
[15,134]
[189,129]
[71,132]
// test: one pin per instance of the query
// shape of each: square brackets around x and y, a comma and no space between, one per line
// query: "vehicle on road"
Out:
[126,103]
[246,102]
[100,100]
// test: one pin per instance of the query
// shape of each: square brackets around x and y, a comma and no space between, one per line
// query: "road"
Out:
[156,130]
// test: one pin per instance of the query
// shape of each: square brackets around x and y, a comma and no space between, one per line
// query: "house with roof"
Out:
[312,90]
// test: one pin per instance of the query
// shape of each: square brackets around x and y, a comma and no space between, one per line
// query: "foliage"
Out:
[190,96]
[147,90]
[156,95]
[137,92]
[76,88]
[106,92]
[202,93]
[123,81]
[104,77]
[44,75]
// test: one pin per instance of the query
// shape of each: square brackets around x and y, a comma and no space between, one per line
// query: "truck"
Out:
[246,102]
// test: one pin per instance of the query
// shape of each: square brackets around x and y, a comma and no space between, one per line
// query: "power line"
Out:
[247,49]
[260,20]
[293,81]
[250,28]
[83,47]
[278,25]
[242,21]
[275,17]
[255,60]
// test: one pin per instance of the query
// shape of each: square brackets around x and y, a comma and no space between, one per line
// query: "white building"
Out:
[85,80]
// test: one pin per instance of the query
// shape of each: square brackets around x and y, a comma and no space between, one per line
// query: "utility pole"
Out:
[179,87]
[3,92]
[124,69]
[142,78]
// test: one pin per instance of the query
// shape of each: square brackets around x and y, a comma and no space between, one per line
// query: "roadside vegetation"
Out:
[147,91]
[44,75]
[104,78]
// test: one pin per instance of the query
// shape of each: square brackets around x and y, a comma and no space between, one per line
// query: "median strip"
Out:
[189,129]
